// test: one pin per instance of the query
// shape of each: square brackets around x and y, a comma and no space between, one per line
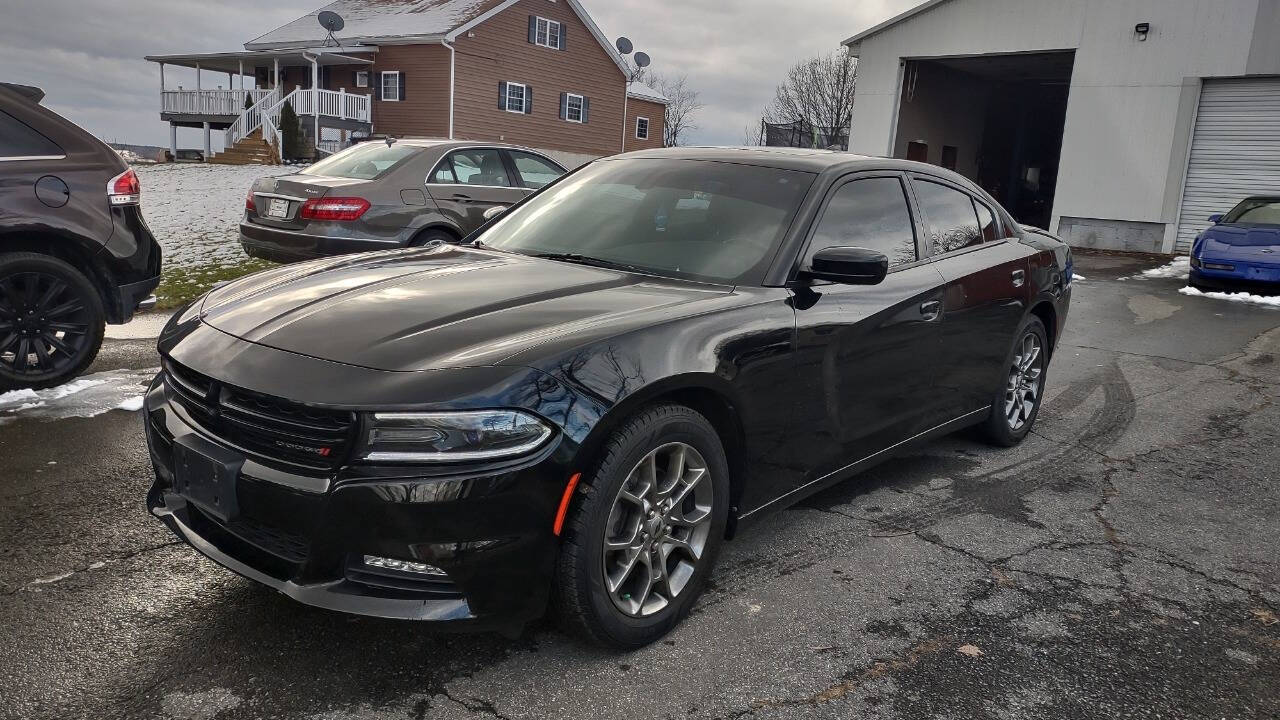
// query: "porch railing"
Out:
[207,102]
[251,118]
[329,103]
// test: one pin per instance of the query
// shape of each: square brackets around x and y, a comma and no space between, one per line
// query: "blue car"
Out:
[1241,250]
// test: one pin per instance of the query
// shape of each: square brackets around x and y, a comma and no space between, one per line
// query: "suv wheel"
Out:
[51,321]
[646,529]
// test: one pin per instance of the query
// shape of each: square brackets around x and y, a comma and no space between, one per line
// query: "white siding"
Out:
[1235,152]
[1121,138]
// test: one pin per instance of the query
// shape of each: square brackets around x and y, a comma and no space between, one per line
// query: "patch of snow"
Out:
[1077,276]
[132,404]
[1179,268]
[86,397]
[144,326]
[194,209]
[134,158]
[1240,297]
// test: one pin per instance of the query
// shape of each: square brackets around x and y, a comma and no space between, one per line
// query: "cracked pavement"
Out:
[1120,563]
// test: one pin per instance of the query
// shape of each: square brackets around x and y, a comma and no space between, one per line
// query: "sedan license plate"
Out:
[205,475]
[278,208]
[1263,274]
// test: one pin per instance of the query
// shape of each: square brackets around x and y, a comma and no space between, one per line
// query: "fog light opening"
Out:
[408,566]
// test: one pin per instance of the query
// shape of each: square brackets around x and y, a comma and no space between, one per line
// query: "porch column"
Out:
[315,99]
[197,77]
[275,83]
[162,77]
[173,140]
[207,148]
[241,62]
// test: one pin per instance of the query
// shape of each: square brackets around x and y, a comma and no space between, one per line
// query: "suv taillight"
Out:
[336,208]
[124,189]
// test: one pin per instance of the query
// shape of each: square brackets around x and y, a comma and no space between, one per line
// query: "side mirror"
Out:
[494,212]
[1215,219]
[849,266]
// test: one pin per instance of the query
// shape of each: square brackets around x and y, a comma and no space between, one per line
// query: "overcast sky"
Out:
[87,54]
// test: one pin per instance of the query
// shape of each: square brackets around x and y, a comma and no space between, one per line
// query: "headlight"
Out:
[453,436]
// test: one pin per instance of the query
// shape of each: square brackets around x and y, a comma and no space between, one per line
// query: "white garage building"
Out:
[1119,124]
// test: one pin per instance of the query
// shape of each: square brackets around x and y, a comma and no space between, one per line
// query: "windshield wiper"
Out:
[587,260]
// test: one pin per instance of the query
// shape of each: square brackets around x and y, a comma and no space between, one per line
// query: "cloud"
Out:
[87,56]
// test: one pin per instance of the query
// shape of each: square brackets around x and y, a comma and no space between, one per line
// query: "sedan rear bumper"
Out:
[280,245]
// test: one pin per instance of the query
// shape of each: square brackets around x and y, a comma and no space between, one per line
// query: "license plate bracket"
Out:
[279,208]
[205,474]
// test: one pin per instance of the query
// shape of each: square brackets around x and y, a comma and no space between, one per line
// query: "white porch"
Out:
[239,111]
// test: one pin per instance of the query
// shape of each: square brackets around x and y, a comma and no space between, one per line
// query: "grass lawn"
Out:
[179,285]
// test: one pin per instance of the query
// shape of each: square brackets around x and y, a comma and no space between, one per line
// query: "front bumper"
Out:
[1246,276]
[305,533]
[279,245]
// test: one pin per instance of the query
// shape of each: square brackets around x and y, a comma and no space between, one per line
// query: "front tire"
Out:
[645,529]
[51,321]
[1017,403]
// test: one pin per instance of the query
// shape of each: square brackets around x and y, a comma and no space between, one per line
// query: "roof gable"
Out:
[930,4]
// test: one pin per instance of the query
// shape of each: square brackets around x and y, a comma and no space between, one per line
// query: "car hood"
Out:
[1242,241]
[446,306]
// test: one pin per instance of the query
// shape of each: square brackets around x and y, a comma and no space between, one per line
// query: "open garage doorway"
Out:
[996,119]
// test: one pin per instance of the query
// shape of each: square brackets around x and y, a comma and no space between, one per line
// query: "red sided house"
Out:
[538,73]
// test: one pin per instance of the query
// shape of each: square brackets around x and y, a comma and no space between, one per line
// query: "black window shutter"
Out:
[502,96]
[564,106]
[355,78]
[533,29]
[400,77]
[586,110]
[375,79]
[528,100]
[563,30]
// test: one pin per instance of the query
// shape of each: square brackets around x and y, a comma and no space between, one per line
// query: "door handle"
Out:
[462,198]
[931,310]
[1019,278]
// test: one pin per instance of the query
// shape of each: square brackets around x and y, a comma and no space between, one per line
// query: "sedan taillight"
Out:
[124,189]
[336,208]
[248,202]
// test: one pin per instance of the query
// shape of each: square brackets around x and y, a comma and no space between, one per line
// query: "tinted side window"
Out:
[990,231]
[953,223]
[535,172]
[18,140]
[443,174]
[870,214]
[480,167]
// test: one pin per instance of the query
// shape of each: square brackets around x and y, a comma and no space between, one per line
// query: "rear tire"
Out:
[426,237]
[51,321]
[629,571]
[1016,403]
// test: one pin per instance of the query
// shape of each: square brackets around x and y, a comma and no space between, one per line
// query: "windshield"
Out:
[365,161]
[1255,211]
[700,220]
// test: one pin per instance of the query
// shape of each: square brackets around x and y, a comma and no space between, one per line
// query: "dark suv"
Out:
[75,252]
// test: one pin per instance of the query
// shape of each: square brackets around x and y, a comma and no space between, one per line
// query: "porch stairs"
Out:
[248,150]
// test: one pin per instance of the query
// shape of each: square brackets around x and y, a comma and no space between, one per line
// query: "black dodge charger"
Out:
[585,398]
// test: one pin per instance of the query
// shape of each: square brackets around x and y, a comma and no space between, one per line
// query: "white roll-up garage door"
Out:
[1235,151]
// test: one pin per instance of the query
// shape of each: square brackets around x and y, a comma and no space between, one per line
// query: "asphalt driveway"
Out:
[1121,563]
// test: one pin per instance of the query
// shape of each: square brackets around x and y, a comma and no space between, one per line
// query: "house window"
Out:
[392,86]
[516,96]
[362,78]
[642,128]
[573,108]
[548,33]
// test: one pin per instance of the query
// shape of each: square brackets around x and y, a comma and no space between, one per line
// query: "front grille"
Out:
[274,540]
[272,429]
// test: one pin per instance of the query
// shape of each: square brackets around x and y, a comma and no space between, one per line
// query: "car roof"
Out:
[788,158]
[445,144]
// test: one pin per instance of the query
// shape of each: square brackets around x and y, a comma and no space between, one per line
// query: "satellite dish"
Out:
[642,60]
[331,21]
[624,46]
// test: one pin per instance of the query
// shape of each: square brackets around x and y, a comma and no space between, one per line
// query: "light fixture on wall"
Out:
[1141,30]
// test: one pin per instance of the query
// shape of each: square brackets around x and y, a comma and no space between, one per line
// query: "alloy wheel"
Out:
[657,529]
[1025,375]
[44,324]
